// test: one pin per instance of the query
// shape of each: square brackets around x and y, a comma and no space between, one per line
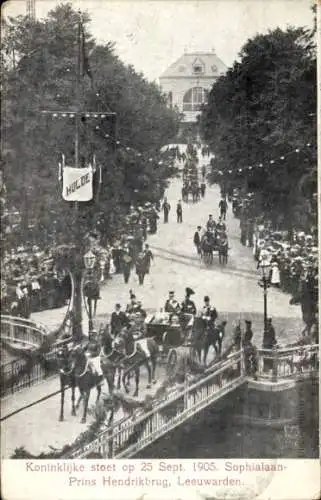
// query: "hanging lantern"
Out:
[297,151]
[281,157]
[272,161]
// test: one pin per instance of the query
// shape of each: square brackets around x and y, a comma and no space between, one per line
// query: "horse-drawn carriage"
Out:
[214,242]
[167,331]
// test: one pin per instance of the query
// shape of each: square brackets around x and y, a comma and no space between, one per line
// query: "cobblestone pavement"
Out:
[233,290]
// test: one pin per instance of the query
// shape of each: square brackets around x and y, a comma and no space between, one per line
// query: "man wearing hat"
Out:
[132,305]
[209,313]
[197,239]
[171,304]
[188,305]
[210,225]
[118,320]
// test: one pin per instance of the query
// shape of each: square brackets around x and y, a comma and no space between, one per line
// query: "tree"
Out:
[262,109]
[39,67]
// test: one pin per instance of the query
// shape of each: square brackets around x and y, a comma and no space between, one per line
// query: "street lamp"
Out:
[265,266]
[89,260]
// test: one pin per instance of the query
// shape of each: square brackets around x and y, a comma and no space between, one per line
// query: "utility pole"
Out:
[79,114]
[31,9]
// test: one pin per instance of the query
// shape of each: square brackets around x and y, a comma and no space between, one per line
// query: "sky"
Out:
[151,35]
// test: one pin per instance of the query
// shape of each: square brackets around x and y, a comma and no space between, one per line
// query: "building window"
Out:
[198,67]
[194,98]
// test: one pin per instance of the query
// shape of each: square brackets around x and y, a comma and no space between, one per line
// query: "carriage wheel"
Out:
[171,362]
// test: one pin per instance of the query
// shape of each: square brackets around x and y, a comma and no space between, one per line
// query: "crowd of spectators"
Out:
[292,256]
[30,281]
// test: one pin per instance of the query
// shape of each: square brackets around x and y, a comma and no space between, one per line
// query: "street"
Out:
[233,290]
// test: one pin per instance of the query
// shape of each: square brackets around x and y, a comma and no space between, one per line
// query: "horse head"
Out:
[64,359]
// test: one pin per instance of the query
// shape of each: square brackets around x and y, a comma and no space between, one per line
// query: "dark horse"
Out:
[205,335]
[85,377]
[110,358]
[67,378]
[143,352]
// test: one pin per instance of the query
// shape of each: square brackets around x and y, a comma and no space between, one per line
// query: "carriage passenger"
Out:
[188,306]
[211,224]
[220,226]
[171,304]
[118,320]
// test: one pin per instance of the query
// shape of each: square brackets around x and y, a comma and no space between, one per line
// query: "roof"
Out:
[210,63]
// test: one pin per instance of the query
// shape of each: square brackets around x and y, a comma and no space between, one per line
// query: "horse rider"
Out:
[211,224]
[188,306]
[220,226]
[132,305]
[92,351]
[148,255]
[209,313]
[171,304]
[197,239]
[118,321]
[223,208]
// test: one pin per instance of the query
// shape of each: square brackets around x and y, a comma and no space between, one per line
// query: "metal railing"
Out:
[288,362]
[32,366]
[129,435]
[23,330]
[126,437]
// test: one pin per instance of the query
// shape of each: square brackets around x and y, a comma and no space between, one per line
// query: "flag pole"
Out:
[78,96]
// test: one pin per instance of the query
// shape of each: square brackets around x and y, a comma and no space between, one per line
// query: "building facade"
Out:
[188,81]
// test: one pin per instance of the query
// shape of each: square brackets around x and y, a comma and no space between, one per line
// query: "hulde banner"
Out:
[77,184]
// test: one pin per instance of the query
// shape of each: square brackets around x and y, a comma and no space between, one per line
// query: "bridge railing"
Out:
[289,362]
[129,435]
[31,367]
[24,330]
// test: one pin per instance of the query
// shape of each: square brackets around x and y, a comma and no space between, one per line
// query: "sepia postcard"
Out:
[159,249]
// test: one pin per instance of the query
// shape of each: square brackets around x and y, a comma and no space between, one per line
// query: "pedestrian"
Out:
[179,212]
[141,267]
[269,341]
[248,334]
[237,336]
[126,262]
[275,275]
[203,188]
[166,209]
[223,208]
[197,239]
[148,255]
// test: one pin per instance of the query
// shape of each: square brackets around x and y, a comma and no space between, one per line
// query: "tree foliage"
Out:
[263,108]
[39,68]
